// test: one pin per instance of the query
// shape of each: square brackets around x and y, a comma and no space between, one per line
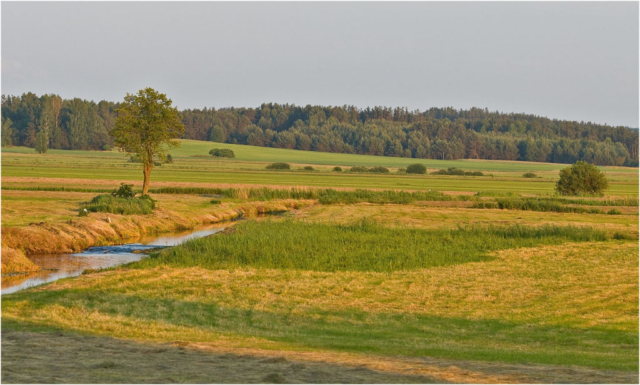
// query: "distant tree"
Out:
[147,126]
[217,134]
[42,140]
[581,178]
[7,132]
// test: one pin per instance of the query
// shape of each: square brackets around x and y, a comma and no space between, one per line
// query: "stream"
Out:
[57,266]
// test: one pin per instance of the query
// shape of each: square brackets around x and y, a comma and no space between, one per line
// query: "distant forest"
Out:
[437,133]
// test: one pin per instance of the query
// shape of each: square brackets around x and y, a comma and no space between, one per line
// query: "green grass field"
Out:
[193,165]
[445,287]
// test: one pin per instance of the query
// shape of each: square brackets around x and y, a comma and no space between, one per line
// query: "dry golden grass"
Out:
[585,284]
[434,215]
[14,261]
[102,228]
[588,286]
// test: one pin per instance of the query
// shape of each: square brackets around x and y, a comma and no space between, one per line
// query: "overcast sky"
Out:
[574,61]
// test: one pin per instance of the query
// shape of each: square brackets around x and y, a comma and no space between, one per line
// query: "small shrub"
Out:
[308,168]
[416,169]
[457,171]
[216,201]
[279,166]
[402,170]
[135,159]
[614,212]
[337,169]
[222,153]
[83,212]
[358,169]
[106,147]
[379,170]
[116,205]
[529,175]
[169,159]
[124,191]
[157,163]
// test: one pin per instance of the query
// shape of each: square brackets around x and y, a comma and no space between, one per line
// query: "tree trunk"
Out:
[147,175]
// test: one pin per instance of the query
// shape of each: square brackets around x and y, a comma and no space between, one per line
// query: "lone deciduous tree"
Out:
[581,178]
[147,126]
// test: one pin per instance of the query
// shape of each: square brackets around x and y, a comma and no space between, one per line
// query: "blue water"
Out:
[57,266]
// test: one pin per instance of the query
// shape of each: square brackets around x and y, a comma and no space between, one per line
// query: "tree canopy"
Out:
[437,133]
[147,126]
[581,178]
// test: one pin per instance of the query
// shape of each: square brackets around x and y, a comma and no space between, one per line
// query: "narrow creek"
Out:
[58,266]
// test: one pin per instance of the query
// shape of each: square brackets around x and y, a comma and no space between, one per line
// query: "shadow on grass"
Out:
[66,357]
[348,331]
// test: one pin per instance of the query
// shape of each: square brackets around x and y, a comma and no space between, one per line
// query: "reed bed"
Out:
[534,204]
[361,246]
[324,196]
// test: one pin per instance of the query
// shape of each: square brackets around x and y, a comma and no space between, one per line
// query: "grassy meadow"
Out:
[362,277]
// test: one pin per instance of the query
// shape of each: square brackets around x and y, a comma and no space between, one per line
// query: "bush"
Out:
[581,178]
[457,171]
[157,163]
[116,205]
[106,147]
[337,169]
[358,169]
[169,159]
[416,169]
[529,175]
[308,168]
[484,205]
[402,170]
[124,191]
[135,159]
[614,212]
[279,166]
[216,201]
[379,170]
[222,153]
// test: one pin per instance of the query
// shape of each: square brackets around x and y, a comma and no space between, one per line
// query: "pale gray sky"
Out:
[573,60]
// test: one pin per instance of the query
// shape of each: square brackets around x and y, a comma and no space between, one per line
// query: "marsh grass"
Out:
[542,205]
[361,246]
[124,206]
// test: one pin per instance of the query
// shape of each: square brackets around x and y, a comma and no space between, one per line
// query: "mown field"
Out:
[193,165]
[346,286]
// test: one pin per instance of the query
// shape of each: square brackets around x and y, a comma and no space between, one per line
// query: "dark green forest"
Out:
[438,133]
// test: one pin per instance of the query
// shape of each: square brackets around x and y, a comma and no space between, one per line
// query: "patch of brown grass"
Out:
[14,261]
[102,228]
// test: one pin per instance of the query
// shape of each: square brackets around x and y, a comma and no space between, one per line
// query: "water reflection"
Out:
[57,266]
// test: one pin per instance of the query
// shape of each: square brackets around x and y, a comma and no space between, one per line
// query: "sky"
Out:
[569,60]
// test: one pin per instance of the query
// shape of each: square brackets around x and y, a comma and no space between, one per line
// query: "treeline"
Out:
[437,133]
[72,124]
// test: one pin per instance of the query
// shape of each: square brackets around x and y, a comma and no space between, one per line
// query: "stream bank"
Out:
[100,229]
